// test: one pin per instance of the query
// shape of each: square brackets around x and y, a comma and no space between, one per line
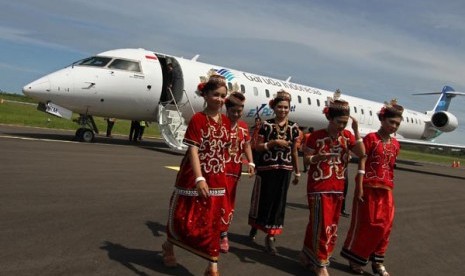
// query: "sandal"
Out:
[169,260]
[379,269]
[270,246]
[224,245]
[209,272]
[252,234]
[321,271]
[355,268]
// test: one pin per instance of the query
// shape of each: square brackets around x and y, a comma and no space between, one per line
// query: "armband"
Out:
[198,179]
[361,172]
[252,164]
[359,140]
[297,174]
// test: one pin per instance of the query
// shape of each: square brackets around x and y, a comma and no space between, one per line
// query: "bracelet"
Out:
[359,140]
[252,164]
[200,178]
[361,171]
[266,145]
[311,159]
[297,174]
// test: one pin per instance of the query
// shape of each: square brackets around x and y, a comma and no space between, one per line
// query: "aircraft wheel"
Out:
[78,135]
[87,135]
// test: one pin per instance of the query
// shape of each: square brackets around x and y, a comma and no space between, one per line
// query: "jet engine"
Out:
[444,121]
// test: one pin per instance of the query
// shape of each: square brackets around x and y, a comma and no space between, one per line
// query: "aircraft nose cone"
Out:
[38,88]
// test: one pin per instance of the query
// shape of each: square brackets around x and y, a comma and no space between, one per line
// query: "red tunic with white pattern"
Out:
[328,175]
[239,137]
[325,188]
[379,167]
[194,221]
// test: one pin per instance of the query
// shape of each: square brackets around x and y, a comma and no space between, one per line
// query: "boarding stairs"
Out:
[172,124]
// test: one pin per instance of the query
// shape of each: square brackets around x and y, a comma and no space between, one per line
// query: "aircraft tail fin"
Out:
[444,100]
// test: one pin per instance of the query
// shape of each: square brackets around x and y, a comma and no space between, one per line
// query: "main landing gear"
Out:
[86,133]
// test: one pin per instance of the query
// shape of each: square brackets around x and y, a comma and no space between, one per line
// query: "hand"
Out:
[251,171]
[354,124]
[283,143]
[202,188]
[296,180]
[359,194]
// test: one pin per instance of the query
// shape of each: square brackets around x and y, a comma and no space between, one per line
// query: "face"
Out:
[215,99]
[281,109]
[235,113]
[339,123]
[390,125]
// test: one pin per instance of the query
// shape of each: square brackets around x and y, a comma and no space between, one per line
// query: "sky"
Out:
[372,49]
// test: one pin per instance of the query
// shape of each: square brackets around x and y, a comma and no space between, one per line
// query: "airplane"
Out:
[138,84]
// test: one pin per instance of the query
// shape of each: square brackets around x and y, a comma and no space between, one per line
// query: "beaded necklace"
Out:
[234,137]
[281,133]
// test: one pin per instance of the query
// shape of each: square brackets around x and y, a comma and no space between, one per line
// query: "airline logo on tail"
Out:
[444,101]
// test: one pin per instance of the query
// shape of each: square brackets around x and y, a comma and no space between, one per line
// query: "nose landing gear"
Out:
[86,133]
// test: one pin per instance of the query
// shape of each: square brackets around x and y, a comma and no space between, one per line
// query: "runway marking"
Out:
[175,168]
[37,139]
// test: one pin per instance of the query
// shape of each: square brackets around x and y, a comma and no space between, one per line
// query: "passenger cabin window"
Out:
[255,91]
[361,111]
[267,93]
[242,88]
[318,102]
[123,64]
[299,99]
[371,113]
[95,61]
[230,87]
[309,101]
[355,109]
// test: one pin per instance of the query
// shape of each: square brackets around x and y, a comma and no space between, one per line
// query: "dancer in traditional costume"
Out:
[278,160]
[240,148]
[327,152]
[373,204]
[199,193]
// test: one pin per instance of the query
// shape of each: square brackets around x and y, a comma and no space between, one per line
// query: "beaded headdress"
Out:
[281,95]
[336,106]
[391,109]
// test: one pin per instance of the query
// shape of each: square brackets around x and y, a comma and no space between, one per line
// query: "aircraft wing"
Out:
[429,144]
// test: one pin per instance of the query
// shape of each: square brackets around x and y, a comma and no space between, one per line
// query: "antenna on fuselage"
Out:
[195,57]
[288,79]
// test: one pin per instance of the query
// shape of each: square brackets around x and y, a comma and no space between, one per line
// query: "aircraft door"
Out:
[173,81]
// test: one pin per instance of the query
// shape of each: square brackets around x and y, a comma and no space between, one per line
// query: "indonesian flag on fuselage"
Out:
[151,57]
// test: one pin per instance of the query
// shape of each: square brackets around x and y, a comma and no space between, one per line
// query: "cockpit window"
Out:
[95,61]
[124,64]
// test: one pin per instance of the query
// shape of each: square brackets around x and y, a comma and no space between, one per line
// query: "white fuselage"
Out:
[135,95]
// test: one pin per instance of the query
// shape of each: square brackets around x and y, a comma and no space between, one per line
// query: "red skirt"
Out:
[370,227]
[229,202]
[321,234]
[194,221]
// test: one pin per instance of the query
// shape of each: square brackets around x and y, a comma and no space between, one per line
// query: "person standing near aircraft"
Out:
[278,159]
[306,137]
[199,192]
[254,138]
[326,152]
[110,124]
[240,146]
[373,205]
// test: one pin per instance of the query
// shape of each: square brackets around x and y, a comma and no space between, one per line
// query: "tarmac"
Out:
[71,208]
